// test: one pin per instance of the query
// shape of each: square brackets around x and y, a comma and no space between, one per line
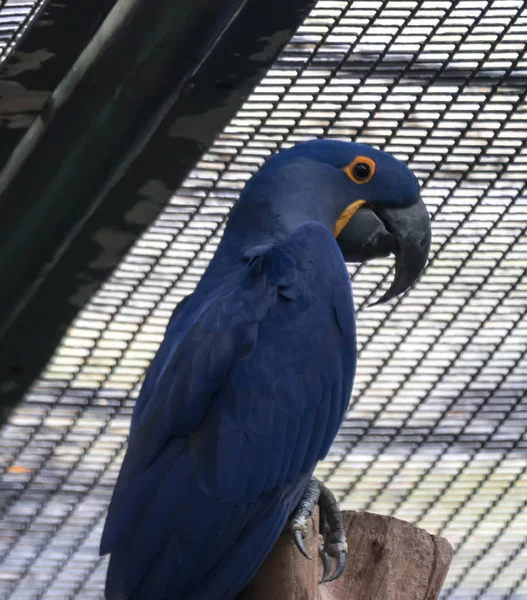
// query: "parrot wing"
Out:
[236,409]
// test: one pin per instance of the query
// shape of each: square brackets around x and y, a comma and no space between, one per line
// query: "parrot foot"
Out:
[333,539]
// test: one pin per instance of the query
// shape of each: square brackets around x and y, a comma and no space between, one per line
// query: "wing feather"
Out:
[236,410]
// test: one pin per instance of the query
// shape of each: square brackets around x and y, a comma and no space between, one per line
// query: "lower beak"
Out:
[375,232]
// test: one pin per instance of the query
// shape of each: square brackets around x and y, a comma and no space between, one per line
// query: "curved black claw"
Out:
[326,563]
[341,563]
[302,514]
[331,528]
[299,541]
[323,529]
[335,544]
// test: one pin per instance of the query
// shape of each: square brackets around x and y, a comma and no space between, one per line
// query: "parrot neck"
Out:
[281,197]
[246,229]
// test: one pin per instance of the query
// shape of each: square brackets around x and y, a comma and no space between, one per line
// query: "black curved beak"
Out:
[377,232]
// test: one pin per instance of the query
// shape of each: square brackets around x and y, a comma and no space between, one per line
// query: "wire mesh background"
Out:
[436,429]
[15,16]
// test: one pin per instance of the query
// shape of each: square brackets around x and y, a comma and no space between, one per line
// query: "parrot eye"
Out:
[360,170]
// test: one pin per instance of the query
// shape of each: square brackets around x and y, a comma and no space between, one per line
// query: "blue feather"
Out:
[244,397]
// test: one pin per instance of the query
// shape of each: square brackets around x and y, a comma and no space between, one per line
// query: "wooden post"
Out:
[388,559]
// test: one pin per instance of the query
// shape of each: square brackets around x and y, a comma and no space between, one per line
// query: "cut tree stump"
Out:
[388,559]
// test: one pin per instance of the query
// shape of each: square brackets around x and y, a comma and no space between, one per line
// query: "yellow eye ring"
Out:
[360,170]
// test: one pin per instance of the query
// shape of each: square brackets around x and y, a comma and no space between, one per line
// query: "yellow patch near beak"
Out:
[345,216]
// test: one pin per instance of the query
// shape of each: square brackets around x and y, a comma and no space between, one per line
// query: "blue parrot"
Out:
[252,380]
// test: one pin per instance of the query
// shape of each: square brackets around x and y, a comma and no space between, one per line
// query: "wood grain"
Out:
[388,559]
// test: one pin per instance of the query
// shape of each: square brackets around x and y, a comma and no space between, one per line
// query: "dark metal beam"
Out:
[156,88]
[42,57]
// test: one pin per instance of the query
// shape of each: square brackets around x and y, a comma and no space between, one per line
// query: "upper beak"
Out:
[375,232]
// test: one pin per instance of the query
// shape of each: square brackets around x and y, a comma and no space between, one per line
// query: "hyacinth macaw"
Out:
[251,383]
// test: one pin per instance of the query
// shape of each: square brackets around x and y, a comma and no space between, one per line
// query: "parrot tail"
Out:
[184,544]
[234,569]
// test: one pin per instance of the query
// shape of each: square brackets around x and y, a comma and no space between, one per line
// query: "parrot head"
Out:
[369,200]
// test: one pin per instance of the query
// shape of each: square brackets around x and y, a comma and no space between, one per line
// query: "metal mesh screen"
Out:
[15,16]
[435,432]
